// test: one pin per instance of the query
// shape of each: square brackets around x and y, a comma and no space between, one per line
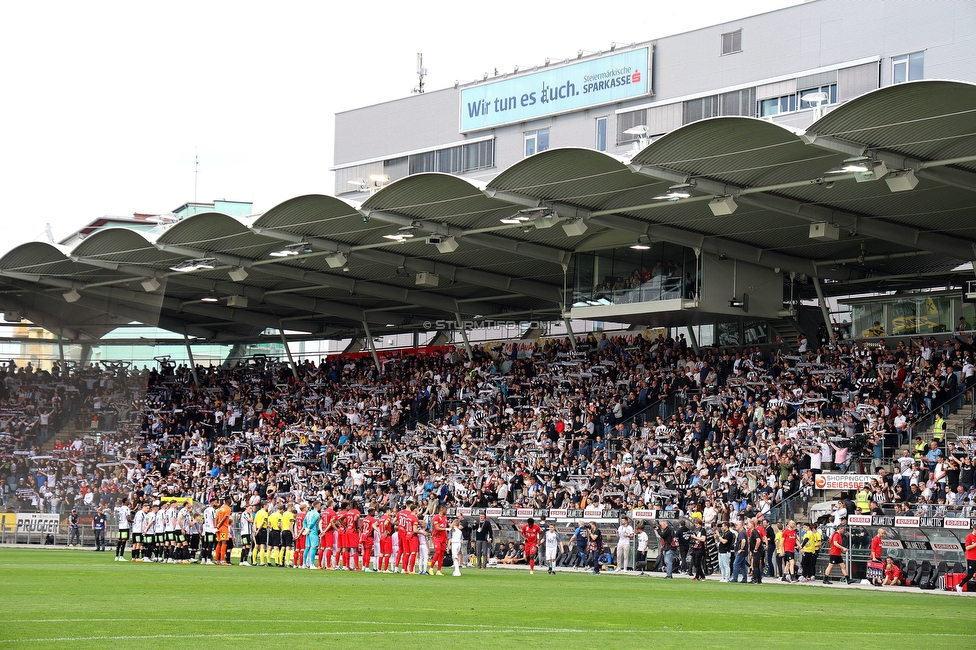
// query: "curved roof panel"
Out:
[923,119]
[438,197]
[570,174]
[311,215]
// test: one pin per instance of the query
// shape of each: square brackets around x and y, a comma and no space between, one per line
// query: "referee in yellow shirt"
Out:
[288,535]
[261,536]
[274,536]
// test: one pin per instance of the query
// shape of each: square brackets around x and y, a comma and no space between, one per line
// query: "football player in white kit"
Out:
[138,530]
[159,533]
[209,533]
[457,540]
[124,515]
[169,530]
[183,518]
[552,548]
[246,521]
[149,533]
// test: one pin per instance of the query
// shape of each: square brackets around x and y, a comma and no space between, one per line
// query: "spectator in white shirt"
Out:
[625,533]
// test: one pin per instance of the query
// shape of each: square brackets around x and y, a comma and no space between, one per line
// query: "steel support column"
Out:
[193,364]
[372,347]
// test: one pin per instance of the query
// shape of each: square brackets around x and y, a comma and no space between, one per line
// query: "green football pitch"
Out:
[81,599]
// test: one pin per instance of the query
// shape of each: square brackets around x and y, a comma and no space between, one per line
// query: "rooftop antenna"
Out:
[421,73]
[196,171]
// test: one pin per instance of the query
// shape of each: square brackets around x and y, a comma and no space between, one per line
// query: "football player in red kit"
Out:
[530,533]
[367,525]
[385,526]
[409,544]
[328,528]
[439,537]
[299,536]
[350,545]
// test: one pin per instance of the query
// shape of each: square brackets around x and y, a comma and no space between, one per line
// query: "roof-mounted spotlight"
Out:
[642,244]
[864,169]
[336,260]
[401,235]
[202,264]
[71,296]
[238,275]
[574,227]
[151,284]
[901,181]
[676,192]
[545,219]
[520,217]
[722,206]
[298,248]
[371,183]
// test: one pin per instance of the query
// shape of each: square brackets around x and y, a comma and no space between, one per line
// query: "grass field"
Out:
[80,599]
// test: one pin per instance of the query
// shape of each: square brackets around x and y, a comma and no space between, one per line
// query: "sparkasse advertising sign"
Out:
[561,89]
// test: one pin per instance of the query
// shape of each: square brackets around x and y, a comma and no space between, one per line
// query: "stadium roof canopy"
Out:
[328,267]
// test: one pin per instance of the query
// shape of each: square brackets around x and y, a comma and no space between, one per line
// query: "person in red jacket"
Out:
[837,550]
[970,545]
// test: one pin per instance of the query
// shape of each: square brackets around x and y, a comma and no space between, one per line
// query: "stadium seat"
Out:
[924,576]
[910,570]
[958,568]
[940,570]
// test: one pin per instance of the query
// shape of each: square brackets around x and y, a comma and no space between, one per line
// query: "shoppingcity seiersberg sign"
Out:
[558,90]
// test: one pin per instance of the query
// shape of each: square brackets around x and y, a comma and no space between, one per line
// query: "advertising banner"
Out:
[842,481]
[605,80]
[34,523]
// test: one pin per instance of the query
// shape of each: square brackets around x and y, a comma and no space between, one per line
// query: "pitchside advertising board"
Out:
[890,521]
[585,84]
[29,523]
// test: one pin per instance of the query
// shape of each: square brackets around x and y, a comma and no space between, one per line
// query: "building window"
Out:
[423,162]
[700,109]
[777,105]
[536,141]
[732,42]
[479,155]
[795,101]
[601,134]
[449,160]
[396,168]
[907,67]
[627,121]
[738,102]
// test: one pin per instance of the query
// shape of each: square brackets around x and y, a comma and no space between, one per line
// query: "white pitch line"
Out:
[303,621]
[509,630]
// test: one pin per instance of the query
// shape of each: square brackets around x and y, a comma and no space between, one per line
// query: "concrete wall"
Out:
[723,279]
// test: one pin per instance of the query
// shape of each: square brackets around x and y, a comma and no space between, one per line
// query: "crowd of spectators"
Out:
[614,423]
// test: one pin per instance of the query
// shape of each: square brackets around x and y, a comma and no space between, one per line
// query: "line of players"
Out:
[314,537]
